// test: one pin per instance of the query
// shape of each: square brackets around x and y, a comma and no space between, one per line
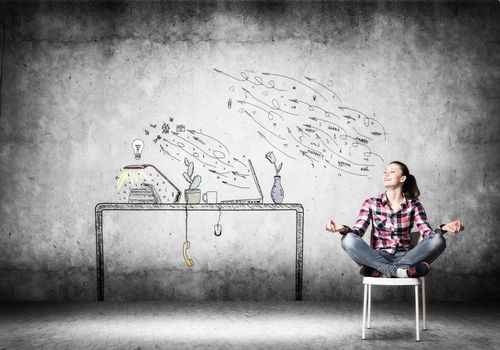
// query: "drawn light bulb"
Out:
[138,146]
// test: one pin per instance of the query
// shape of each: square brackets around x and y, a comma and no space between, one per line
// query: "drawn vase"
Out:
[277,192]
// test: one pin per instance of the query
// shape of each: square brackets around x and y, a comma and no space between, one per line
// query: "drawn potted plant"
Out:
[277,193]
[193,193]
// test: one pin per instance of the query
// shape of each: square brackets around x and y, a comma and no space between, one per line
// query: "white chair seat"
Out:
[380,281]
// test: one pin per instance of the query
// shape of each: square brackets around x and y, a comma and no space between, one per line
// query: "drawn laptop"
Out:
[245,201]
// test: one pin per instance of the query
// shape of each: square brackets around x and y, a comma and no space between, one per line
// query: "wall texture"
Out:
[80,81]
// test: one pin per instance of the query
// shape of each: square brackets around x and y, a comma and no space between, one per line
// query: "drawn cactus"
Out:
[195,181]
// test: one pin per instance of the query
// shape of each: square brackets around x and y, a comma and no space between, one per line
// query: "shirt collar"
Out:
[385,201]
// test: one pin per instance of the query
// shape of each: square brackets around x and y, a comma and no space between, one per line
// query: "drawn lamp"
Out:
[144,166]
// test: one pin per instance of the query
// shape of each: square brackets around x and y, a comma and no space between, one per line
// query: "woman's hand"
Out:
[333,227]
[454,226]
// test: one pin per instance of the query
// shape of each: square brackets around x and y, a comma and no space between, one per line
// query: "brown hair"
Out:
[410,188]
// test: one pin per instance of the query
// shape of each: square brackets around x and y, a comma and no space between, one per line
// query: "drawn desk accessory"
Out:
[218,226]
[260,199]
[146,194]
[147,188]
[137,146]
[189,262]
[209,197]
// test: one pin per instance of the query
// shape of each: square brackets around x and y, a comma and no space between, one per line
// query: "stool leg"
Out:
[363,332]
[417,316]
[424,305]
[369,316]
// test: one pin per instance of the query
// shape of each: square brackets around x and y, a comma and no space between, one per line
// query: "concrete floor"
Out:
[244,325]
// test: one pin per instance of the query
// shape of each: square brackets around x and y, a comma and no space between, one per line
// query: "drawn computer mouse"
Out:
[217,230]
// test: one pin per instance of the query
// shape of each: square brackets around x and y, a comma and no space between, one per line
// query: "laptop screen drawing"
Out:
[252,200]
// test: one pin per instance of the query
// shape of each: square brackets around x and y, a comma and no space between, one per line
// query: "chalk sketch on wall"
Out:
[300,119]
[137,147]
[193,193]
[277,192]
[305,120]
[146,186]
[181,143]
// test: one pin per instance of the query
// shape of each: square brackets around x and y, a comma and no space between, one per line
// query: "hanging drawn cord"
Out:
[218,226]
[186,221]
[189,262]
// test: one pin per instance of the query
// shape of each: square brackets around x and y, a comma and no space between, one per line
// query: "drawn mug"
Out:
[210,197]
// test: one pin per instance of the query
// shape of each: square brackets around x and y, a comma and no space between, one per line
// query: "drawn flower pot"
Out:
[193,196]
[277,192]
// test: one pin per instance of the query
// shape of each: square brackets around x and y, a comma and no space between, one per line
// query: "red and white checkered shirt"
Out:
[392,228]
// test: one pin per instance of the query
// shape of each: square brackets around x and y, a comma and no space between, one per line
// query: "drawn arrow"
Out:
[210,137]
[272,107]
[264,137]
[284,76]
[326,87]
[262,126]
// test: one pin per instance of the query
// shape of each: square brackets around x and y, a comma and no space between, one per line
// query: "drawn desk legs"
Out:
[298,258]
[99,255]
[299,268]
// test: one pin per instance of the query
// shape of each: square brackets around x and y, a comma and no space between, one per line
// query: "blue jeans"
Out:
[427,250]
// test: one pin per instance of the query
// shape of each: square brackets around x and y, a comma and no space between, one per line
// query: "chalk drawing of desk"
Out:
[299,221]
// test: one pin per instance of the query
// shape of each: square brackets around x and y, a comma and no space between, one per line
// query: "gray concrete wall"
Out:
[80,81]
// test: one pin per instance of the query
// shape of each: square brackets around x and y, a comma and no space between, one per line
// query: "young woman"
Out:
[393,215]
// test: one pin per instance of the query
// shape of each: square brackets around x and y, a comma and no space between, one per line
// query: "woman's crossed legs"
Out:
[426,250]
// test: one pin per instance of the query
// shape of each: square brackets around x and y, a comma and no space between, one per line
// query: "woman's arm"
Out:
[420,219]
[425,229]
[360,225]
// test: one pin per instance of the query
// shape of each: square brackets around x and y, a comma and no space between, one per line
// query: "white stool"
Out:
[380,281]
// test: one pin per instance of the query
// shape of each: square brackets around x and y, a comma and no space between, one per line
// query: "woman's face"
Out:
[393,176]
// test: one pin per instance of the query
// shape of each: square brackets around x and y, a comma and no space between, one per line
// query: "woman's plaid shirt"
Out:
[392,229]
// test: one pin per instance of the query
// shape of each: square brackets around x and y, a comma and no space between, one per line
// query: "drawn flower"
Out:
[272,158]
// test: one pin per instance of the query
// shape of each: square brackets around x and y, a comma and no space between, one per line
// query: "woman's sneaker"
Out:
[368,271]
[418,270]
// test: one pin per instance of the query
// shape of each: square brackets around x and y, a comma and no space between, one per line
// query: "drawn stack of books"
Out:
[144,194]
